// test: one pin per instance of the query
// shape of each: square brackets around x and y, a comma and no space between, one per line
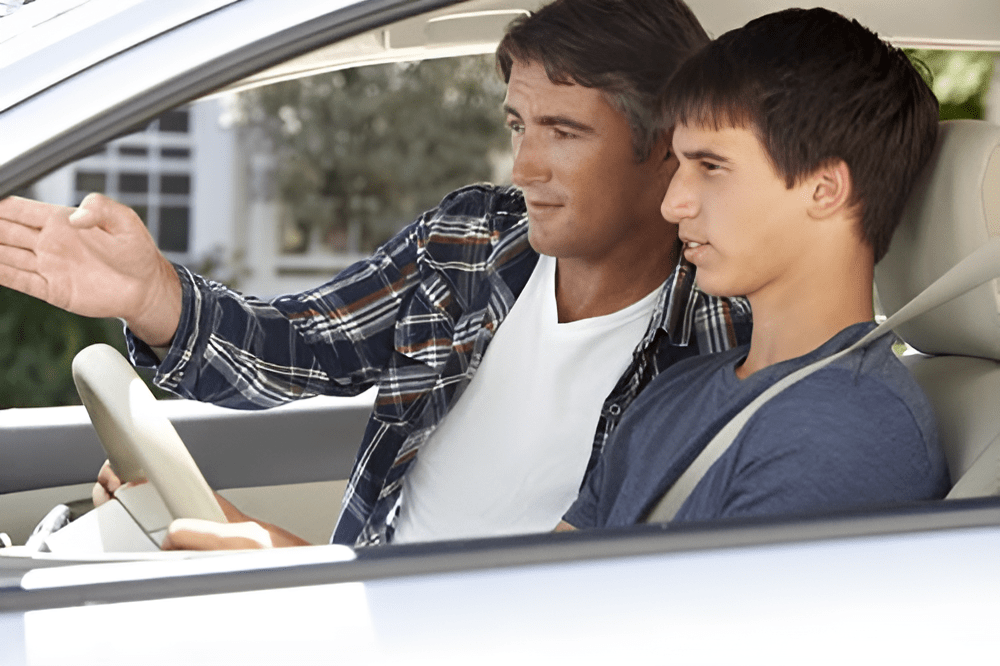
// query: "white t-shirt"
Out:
[510,456]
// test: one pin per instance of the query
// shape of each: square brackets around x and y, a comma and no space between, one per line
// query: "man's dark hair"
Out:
[625,48]
[816,87]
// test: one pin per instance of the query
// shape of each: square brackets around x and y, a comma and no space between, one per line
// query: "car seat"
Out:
[954,209]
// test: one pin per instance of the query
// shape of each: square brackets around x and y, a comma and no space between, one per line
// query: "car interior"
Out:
[954,210]
[912,583]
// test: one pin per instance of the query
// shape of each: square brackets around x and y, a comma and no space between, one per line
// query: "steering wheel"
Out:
[138,438]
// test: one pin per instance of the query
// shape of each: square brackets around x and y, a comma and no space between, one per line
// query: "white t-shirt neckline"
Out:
[510,456]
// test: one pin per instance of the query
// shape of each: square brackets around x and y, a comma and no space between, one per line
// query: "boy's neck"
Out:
[792,322]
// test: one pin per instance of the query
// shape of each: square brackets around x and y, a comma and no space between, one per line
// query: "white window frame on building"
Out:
[151,172]
[180,174]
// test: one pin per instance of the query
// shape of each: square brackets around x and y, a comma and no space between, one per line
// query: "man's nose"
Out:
[679,202]
[531,164]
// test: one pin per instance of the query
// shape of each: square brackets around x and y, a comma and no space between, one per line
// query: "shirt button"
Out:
[614,410]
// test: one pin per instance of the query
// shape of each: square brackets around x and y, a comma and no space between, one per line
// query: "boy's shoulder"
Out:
[865,406]
[863,384]
[883,370]
[856,432]
[867,393]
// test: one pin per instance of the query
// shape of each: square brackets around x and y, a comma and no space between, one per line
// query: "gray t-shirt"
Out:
[858,432]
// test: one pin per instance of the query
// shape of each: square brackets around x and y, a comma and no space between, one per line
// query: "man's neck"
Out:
[593,289]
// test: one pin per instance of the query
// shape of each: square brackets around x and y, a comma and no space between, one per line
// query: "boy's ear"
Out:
[830,187]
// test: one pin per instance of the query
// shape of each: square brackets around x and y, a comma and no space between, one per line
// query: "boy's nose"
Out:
[679,202]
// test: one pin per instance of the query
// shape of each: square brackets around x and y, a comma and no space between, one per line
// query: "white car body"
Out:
[917,584]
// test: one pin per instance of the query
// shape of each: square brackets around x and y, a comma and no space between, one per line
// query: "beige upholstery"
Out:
[954,209]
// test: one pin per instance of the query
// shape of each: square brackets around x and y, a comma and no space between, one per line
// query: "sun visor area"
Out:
[467,29]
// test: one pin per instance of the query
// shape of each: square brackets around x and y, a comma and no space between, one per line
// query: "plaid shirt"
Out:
[413,319]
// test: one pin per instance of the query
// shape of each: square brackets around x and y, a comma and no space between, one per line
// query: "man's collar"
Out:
[675,306]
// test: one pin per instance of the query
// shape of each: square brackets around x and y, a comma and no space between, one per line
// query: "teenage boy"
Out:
[506,330]
[799,137]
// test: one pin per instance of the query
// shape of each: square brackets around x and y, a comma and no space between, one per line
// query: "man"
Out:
[799,138]
[507,329]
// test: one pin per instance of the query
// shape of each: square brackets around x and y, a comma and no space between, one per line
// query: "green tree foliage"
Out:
[959,79]
[361,151]
[37,346]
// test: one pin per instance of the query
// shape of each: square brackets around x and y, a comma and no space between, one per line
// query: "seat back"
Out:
[953,210]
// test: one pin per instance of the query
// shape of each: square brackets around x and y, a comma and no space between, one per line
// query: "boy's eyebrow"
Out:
[553,121]
[695,155]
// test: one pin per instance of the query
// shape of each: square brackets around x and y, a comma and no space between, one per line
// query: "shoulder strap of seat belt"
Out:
[977,268]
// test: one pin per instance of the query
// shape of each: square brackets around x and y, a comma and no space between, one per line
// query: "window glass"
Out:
[136,183]
[282,187]
[174,121]
[133,151]
[175,184]
[142,211]
[174,228]
[90,181]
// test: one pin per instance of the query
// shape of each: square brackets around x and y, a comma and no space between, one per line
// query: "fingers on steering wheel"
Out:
[107,478]
[99,495]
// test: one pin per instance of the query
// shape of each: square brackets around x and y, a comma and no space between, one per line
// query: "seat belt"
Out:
[977,268]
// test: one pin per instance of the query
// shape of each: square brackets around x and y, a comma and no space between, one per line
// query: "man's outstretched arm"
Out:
[97,260]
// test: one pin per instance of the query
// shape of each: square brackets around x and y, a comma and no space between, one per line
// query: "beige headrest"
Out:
[954,209]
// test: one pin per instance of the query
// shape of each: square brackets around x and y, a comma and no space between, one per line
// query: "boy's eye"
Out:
[711,166]
[515,126]
[562,134]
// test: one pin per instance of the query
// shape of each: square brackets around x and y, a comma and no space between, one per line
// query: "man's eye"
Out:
[562,134]
[711,166]
[515,127]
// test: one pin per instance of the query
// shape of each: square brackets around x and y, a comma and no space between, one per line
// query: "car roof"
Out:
[47,31]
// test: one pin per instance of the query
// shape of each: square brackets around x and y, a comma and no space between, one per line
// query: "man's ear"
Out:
[830,188]
[663,155]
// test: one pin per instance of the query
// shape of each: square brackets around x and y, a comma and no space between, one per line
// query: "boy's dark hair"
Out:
[815,87]
[625,48]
